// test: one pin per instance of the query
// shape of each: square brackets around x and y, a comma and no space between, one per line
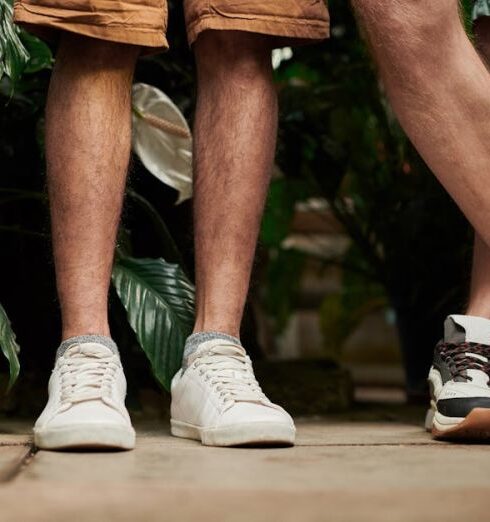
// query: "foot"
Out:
[459,381]
[217,400]
[86,402]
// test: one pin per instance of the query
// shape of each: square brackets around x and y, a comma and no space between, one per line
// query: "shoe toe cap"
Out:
[87,413]
[256,412]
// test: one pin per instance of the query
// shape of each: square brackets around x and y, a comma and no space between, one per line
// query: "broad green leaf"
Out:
[9,346]
[159,300]
[40,56]
[13,55]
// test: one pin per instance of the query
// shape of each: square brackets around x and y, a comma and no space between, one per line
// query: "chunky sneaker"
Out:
[459,380]
[86,402]
[217,400]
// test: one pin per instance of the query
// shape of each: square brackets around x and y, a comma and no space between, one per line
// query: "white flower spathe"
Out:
[162,138]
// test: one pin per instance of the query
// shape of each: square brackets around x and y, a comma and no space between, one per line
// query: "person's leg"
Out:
[440,91]
[87,150]
[217,399]
[88,138]
[235,141]
[479,298]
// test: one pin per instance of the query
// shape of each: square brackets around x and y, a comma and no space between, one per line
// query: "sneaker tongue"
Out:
[89,350]
[467,328]
[229,349]
[217,347]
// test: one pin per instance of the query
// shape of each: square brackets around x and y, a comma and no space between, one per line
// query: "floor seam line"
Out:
[24,462]
[366,444]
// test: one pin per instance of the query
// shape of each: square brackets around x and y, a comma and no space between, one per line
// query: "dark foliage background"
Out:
[410,243]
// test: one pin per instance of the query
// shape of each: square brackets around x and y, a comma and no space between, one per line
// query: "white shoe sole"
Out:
[83,436]
[475,426]
[251,433]
[429,416]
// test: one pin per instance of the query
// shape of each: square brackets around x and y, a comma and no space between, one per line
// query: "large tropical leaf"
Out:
[40,55]
[13,55]
[159,300]
[9,346]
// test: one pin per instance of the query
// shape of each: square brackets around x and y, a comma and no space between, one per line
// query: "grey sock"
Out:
[193,341]
[99,339]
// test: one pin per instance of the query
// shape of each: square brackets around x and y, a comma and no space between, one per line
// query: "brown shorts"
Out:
[144,22]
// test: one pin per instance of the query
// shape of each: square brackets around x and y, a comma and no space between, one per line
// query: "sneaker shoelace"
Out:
[465,356]
[228,370]
[87,374]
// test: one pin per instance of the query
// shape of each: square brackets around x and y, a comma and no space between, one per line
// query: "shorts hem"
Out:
[289,31]
[44,24]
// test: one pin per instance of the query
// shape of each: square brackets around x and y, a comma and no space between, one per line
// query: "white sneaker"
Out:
[86,402]
[218,401]
[460,381]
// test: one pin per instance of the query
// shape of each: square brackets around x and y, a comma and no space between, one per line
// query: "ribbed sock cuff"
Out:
[193,341]
[80,339]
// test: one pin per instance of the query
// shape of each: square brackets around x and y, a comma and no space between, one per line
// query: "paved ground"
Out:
[358,468]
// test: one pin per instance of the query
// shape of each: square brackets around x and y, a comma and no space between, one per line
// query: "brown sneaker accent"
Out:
[475,427]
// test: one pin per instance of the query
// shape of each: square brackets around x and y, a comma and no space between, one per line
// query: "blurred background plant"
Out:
[342,151]
[350,194]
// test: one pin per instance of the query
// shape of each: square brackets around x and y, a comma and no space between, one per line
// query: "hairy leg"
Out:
[235,133]
[440,90]
[479,301]
[87,150]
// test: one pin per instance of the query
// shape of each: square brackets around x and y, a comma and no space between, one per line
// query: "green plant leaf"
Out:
[159,300]
[9,346]
[13,55]
[40,56]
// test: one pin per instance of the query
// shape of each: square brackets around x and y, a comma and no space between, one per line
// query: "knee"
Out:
[416,23]
[237,54]
[95,53]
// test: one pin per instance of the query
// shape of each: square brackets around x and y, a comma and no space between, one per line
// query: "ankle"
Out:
[479,310]
[231,332]
[226,328]
[69,332]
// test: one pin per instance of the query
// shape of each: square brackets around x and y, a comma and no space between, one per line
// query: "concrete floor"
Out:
[342,469]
